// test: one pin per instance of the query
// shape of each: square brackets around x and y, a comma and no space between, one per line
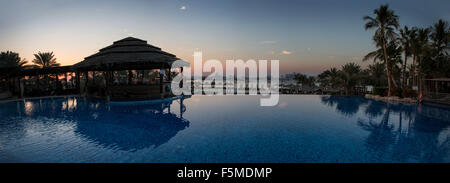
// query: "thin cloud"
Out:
[284,52]
[183,8]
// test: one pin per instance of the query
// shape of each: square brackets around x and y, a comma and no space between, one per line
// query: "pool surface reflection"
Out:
[301,128]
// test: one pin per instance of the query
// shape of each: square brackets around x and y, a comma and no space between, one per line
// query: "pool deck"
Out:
[30,98]
[152,101]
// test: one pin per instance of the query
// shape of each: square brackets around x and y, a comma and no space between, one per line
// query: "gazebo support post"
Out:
[93,77]
[20,86]
[38,83]
[142,76]
[108,80]
[67,81]
[77,75]
[86,82]
[130,76]
[161,92]
[169,75]
[56,82]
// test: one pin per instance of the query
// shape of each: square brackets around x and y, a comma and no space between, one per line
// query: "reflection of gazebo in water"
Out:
[148,126]
[126,70]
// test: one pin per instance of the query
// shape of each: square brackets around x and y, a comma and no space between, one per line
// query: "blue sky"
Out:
[306,35]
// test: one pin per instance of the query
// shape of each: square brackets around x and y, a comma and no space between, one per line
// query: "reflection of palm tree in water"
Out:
[426,130]
[381,134]
[348,106]
[416,141]
[374,109]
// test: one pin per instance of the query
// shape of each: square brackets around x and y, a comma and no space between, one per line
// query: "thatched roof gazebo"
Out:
[129,54]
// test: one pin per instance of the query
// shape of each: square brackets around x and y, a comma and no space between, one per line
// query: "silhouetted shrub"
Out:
[380,91]
[409,93]
[397,92]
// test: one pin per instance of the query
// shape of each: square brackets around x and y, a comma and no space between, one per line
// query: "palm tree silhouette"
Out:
[440,37]
[393,57]
[44,60]
[330,78]
[421,49]
[350,76]
[11,63]
[405,41]
[377,74]
[385,21]
[393,51]
[414,46]
[11,60]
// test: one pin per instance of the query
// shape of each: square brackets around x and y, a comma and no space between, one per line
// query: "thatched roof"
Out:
[128,51]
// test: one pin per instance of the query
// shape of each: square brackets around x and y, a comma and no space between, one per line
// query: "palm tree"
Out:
[413,46]
[440,37]
[393,57]
[334,76]
[11,60]
[405,35]
[385,21]
[304,79]
[329,78]
[350,76]
[44,60]
[422,49]
[377,74]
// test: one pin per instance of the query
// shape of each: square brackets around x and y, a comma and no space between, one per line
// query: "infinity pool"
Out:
[301,128]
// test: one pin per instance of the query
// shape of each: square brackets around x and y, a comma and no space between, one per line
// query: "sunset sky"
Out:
[307,36]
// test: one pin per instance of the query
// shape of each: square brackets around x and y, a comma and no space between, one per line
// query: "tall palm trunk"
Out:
[413,74]
[438,60]
[394,83]
[419,72]
[404,70]
[389,75]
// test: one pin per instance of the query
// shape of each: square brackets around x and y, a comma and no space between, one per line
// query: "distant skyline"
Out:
[307,36]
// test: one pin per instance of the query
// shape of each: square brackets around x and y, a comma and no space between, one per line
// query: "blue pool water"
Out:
[223,129]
